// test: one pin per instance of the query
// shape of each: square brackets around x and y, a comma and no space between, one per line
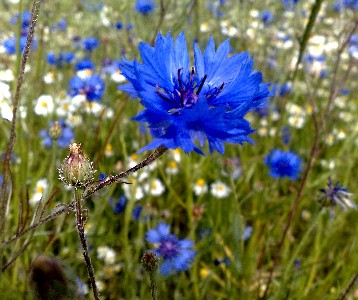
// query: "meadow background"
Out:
[254,236]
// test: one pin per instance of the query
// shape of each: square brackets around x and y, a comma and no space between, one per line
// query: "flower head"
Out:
[335,194]
[145,7]
[177,254]
[205,102]
[283,164]
[63,140]
[91,86]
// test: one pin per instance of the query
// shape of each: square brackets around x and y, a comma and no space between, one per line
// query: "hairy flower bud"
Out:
[149,262]
[76,169]
[55,131]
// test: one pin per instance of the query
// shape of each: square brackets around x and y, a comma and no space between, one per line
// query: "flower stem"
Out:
[80,230]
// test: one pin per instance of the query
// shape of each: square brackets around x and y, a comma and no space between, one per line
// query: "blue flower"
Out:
[64,140]
[10,44]
[336,195]
[92,86]
[25,19]
[84,64]
[283,164]
[90,43]
[267,17]
[60,59]
[145,7]
[350,4]
[120,205]
[290,4]
[177,254]
[207,102]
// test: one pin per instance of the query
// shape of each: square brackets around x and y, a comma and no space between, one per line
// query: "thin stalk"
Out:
[153,285]
[110,179]
[81,234]
[16,100]
[349,287]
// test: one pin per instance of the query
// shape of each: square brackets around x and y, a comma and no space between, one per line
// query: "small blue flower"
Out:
[25,19]
[283,164]
[267,17]
[145,7]
[177,254]
[92,86]
[90,43]
[120,205]
[63,141]
[136,212]
[61,59]
[206,102]
[119,25]
[290,4]
[349,4]
[84,64]
[336,195]
[10,44]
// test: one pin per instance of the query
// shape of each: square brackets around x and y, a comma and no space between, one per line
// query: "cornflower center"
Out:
[169,247]
[186,91]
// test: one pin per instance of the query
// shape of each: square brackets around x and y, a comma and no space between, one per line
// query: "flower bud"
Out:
[149,262]
[76,169]
[55,131]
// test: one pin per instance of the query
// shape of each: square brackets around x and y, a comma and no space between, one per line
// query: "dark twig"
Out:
[81,233]
[94,187]
[16,100]
[349,287]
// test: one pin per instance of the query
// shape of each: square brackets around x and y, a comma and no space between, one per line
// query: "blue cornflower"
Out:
[84,64]
[63,141]
[145,7]
[61,59]
[350,4]
[177,254]
[290,4]
[92,86]
[25,19]
[207,102]
[283,164]
[10,44]
[267,17]
[119,25]
[90,43]
[136,212]
[120,205]
[336,195]
[60,26]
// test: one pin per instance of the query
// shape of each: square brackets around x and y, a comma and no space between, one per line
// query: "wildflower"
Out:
[44,105]
[136,212]
[10,44]
[120,205]
[107,254]
[76,169]
[145,7]
[267,17]
[177,254]
[200,187]
[290,4]
[84,64]
[39,190]
[342,4]
[90,43]
[155,188]
[91,86]
[172,168]
[208,102]
[336,195]
[219,190]
[283,164]
[63,140]
[61,59]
